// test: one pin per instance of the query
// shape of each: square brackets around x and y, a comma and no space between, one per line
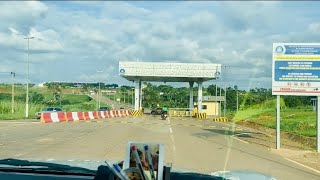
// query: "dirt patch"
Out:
[306,141]
[264,117]
[308,158]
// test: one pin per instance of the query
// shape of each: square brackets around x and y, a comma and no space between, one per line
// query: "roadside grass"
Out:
[299,120]
[19,110]
[72,102]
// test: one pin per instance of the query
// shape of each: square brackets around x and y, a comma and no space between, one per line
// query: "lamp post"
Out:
[27,95]
[12,102]
[99,92]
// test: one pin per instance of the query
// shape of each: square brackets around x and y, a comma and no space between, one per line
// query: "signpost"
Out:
[296,72]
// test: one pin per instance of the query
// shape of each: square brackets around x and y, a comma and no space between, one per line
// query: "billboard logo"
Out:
[279,50]
[122,71]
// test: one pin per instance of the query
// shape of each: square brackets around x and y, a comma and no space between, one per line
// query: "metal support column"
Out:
[140,95]
[136,94]
[278,122]
[191,96]
[200,97]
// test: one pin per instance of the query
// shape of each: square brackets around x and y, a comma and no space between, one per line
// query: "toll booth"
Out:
[211,105]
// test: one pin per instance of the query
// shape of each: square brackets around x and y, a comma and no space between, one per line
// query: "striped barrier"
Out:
[102,114]
[201,115]
[90,113]
[86,116]
[119,113]
[53,117]
[127,112]
[69,116]
[136,112]
[107,114]
[221,119]
[79,116]
[111,114]
[95,115]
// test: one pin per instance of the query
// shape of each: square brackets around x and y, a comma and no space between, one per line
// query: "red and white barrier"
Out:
[78,116]
[111,114]
[107,114]
[90,114]
[119,113]
[69,116]
[96,115]
[86,116]
[53,117]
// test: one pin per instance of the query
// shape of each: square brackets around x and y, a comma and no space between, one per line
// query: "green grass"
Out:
[72,102]
[300,120]
[19,110]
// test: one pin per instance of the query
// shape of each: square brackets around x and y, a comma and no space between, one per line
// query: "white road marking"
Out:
[50,160]
[240,140]
[70,160]
[303,165]
[170,129]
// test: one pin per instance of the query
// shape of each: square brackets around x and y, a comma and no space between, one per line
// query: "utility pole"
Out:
[12,102]
[27,95]
[237,100]
[225,94]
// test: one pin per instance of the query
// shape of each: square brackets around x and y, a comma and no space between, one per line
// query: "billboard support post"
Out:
[278,123]
[318,124]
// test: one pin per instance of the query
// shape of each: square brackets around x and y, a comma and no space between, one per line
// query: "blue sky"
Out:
[76,39]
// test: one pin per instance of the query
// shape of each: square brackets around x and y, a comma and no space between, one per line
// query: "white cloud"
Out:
[76,41]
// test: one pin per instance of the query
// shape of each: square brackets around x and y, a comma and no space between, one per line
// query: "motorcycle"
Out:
[164,116]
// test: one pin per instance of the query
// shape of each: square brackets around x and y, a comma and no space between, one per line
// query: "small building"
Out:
[211,105]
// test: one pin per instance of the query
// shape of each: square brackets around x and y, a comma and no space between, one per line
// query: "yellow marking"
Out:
[212,126]
[295,57]
[135,122]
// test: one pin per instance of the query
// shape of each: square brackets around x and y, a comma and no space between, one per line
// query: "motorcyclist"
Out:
[164,110]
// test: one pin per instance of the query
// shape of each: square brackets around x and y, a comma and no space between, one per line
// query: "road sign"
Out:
[296,69]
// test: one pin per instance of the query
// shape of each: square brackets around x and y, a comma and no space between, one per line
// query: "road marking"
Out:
[212,126]
[50,160]
[170,129]
[70,160]
[224,127]
[303,165]
[240,140]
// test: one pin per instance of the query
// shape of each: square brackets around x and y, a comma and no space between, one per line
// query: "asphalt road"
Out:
[190,144]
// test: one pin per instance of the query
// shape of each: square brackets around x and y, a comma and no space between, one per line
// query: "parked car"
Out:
[104,108]
[156,111]
[49,109]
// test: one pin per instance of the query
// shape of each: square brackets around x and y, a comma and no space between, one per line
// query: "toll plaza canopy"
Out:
[168,72]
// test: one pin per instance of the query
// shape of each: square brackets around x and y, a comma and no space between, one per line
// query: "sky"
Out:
[76,40]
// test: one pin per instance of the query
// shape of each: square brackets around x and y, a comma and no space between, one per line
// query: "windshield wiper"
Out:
[43,166]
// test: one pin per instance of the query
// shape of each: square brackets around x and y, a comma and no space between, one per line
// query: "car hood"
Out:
[230,175]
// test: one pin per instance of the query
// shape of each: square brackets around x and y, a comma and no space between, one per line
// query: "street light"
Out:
[99,93]
[27,96]
[12,102]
